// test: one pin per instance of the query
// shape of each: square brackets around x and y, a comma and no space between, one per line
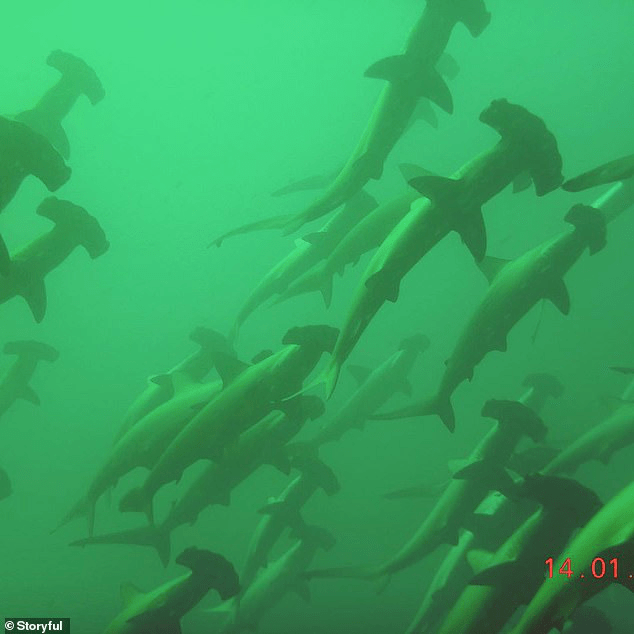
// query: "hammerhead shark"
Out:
[451,204]
[411,76]
[160,611]
[15,383]
[47,115]
[24,152]
[74,227]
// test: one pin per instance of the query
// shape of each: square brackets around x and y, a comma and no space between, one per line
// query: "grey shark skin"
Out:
[160,611]
[23,152]
[612,172]
[309,251]
[263,443]
[47,115]
[363,237]
[516,287]
[462,496]
[284,512]
[600,442]
[375,389]
[279,578]
[143,445]
[192,369]
[451,204]
[510,576]
[15,383]
[411,76]
[74,227]
[609,534]
[258,390]
[5,485]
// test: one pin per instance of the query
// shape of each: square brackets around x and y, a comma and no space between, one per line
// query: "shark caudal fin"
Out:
[31,350]
[590,223]
[276,222]
[437,405]
[84,508]
[217,571]
[514,413]
[489,475]
[153,536]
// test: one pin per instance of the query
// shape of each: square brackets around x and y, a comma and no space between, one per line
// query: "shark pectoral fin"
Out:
[129,592]
[35,296]
[303,589]
[359,373]
[410,171]
[491,266]
[558,295]
[325,288]
[425,112]
[471,229]
[281,462]
[522,181]
[447,66]
[316,239]
[370,165]
[385,283]
[430,84]
[394,68]
[28,394]
[479,559]
[228,367]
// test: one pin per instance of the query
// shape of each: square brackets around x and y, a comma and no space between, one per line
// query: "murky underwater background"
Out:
[210,107]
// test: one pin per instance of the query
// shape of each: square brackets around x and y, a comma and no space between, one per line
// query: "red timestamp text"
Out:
[599,569]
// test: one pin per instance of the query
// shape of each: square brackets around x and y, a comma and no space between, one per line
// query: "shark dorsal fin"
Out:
[129,592]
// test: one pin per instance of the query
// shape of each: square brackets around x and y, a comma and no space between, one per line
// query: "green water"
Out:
[209,107]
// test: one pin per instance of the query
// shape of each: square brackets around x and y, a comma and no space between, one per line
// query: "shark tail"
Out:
[155,537]
[136,501]
[276,222]
[84,508]
[437,405]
